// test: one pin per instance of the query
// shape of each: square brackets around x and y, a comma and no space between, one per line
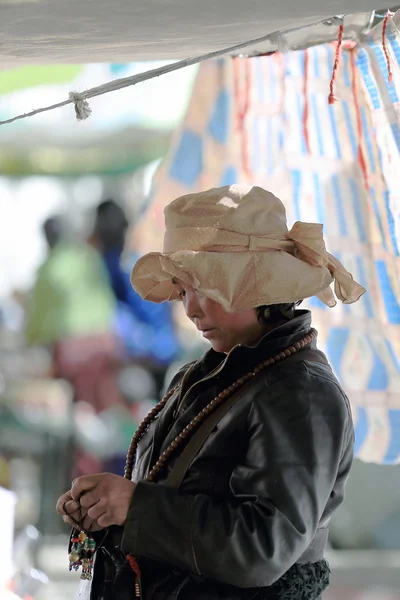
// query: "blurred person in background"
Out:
[147,330]
[71,312]
[71,296]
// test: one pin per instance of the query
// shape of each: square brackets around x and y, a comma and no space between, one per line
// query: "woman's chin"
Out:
[219,346]
[213,337]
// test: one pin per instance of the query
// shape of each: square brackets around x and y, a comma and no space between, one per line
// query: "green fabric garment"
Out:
[71,297]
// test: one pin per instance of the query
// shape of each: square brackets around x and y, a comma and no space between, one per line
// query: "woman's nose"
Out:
[192,306]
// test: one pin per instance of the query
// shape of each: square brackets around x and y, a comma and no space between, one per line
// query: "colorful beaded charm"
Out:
[82,554]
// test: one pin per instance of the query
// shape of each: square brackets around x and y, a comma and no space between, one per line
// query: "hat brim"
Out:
[236,280]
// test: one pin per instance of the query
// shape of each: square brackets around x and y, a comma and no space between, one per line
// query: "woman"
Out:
[247,516]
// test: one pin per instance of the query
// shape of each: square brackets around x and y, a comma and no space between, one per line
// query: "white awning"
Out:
[82,31]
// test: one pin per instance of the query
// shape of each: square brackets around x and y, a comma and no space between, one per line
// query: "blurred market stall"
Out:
[66,166]
[126,132]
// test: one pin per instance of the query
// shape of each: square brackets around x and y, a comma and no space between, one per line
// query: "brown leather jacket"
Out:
[250,519]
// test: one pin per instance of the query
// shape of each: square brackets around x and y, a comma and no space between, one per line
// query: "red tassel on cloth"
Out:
[242,105]
[136,569]
[282,76]
[385,49]
[306,105]
[332,98]
[360,157]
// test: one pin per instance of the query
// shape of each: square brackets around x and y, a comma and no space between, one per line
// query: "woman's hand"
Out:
[96,501]
[74,515]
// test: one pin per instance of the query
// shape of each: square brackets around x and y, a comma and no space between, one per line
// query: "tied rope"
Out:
[306,109]
[339,20]
[388,16]
[80,100]
[360,153]
[332,98]
[242,93]
[82,108]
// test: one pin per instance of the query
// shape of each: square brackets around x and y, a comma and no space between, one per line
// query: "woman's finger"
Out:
[61,502]
[78,519]
[83,484]
[96,511]
[89,499]
[90,525]
[72,507]
[105,521]
[71,522]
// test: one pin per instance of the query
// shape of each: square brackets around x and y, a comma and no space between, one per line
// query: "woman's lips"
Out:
[207,332]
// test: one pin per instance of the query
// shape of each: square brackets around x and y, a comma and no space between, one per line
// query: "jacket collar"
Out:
[285,334]
[271,343]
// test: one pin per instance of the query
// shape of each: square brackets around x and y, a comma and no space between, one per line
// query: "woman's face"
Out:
[222,329]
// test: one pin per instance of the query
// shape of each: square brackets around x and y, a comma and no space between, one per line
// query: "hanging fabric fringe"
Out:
[306,104]
[332,98]
[388,16]
[242,91]
[282,70]
[360,152]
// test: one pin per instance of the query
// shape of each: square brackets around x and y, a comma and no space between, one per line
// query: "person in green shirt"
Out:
[72,296]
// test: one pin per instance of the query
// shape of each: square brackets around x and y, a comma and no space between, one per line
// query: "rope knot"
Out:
[82,108]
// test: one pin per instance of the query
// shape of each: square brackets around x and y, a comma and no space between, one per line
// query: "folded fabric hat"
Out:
[232,244]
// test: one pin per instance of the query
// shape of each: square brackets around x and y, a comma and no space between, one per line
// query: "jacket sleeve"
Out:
[298,431]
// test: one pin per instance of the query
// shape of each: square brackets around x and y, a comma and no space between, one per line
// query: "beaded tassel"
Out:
[82,554]
[136,569]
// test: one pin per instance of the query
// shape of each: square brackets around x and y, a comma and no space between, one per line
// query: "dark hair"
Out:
[111,224]
[53,230]
[109,206]
[274,313]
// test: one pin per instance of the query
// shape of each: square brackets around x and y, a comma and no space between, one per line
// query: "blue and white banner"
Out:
[267,121]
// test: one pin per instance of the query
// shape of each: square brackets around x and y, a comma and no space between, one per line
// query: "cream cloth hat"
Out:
[232,244]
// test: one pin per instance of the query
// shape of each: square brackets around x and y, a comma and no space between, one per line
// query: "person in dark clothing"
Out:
[231,481]
[111,225]
[147,330]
